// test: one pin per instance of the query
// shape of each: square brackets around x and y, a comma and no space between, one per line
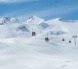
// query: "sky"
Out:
[47,9]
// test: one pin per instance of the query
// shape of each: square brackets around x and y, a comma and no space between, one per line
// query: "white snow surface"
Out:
[19,50]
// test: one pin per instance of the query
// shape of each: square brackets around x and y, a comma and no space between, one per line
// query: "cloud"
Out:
[14,1]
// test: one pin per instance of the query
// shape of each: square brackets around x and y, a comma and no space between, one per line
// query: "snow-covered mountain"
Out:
[4,20]
[14,28]
[34,20]
[20,50]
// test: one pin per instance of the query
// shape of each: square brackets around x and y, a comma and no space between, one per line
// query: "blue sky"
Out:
[46,9]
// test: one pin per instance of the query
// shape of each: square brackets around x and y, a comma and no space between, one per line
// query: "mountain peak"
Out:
[60,19]
[34,20]
[8,20]
[34,17]
[14,20]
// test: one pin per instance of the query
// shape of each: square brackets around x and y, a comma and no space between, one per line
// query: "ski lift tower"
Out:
[74,36]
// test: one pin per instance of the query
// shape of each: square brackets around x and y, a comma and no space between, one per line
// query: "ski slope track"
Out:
[20,50]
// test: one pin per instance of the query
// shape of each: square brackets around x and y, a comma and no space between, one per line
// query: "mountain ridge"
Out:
[57,26]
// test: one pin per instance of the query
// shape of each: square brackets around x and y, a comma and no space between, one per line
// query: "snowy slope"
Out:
[11,27]
[19,50]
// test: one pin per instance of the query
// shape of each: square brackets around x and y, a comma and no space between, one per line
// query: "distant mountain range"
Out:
[12,27]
